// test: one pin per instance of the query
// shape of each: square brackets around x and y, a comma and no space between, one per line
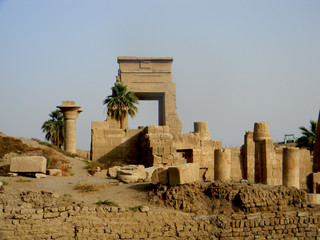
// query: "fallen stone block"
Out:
[144,209]
[40,175]
[128,178]
[313,198]
[140,174]
[36,164]
[160,175]
[54,172]
[113,171]
[13,174]
[102,173]
[132,167]
[149,171]
[186,173]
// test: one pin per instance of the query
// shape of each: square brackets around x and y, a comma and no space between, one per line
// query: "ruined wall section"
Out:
[58,219]
[199,148]
[305,173]
[114,145]
[263,162]
[157,148]
[248,151]
[277,165]
[237,166]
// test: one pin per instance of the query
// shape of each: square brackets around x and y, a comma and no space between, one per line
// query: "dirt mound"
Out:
[14,147]
[10,144]
[258,197]
[224,198]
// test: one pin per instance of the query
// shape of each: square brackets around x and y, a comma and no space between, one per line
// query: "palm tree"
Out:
[309,136]
[54,128]
[121,103]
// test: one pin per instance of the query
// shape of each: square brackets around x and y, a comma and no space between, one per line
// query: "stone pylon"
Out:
[316,151]
[70,113]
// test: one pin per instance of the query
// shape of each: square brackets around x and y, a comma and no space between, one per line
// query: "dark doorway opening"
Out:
[187,154]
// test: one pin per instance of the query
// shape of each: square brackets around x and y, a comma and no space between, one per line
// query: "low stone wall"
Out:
[277,225]
[41,216]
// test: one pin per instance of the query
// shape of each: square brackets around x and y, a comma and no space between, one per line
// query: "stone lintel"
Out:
[133,58]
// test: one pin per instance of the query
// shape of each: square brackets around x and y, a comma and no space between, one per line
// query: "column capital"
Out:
[70,110]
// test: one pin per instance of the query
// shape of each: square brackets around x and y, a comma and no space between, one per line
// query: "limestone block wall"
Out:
[199,148]
[157,147]
[109,144]
[305,169]
[153,146]
[237,164]
[277,166]
[58,219]
[248,151]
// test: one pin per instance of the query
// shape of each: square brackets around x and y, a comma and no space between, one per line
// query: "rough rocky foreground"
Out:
[52,208]
[222,198]
[42,215]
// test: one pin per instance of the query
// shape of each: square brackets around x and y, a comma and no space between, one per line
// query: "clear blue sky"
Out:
[235,62]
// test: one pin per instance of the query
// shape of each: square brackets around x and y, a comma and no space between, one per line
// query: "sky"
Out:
[236,62]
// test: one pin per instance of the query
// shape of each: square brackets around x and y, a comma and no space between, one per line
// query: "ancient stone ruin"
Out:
[196,176]
[70,113]
[258,160]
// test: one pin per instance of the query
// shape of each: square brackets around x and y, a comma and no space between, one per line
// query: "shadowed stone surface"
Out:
[316,153]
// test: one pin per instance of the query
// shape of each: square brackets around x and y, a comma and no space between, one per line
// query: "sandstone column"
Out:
[70,113]
[249,156]
[261,132]
[202,129]
[316,151]
[222,164]
[266,155]
[291,167]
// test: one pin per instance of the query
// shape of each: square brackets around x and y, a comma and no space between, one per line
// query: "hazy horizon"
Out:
[235,62]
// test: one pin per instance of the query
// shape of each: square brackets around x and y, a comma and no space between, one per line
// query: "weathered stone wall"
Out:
[157,147]
[56,219]
[277,165]
[109,144]
[237,164]
[305,169]
[263,157]
[200,151]
[248,151]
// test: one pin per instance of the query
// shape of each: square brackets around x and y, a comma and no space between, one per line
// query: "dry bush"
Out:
[9,144]
[87,187]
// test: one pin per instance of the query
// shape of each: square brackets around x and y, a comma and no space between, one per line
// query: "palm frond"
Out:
[121,102]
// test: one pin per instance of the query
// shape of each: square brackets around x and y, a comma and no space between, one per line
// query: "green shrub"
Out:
[73,155]
[136,208]
[92,165]
[24,180]
[4,182]
[108,203]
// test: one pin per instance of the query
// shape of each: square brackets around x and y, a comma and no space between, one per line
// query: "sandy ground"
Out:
[126,195]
